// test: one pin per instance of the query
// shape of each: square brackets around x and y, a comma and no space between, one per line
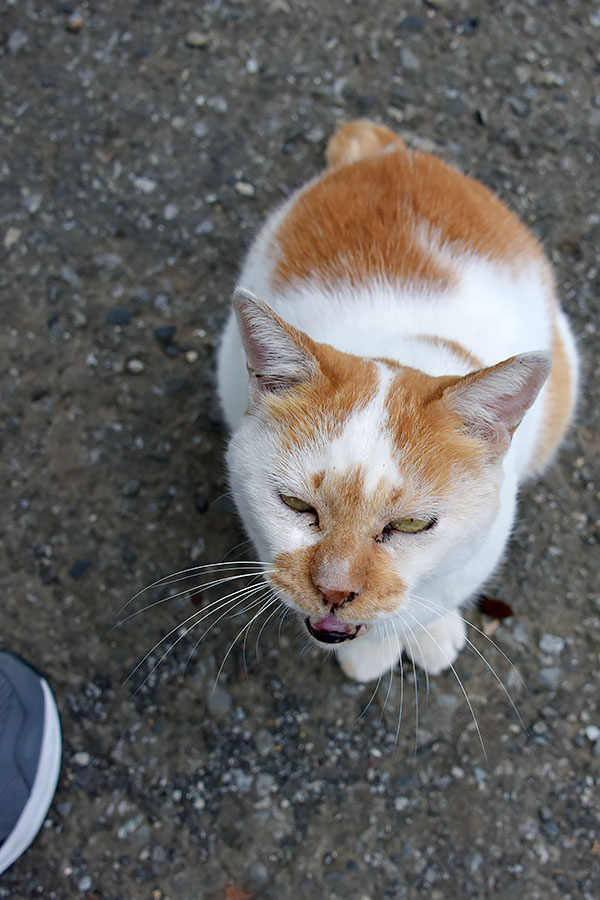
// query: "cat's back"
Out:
[389,242]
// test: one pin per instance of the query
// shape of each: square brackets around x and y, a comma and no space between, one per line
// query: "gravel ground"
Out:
[142,145]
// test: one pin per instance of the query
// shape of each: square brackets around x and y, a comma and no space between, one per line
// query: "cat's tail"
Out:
[359,138]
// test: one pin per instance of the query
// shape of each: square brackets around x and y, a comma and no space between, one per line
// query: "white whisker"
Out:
[231,646]
[391,676]
[399,648]
[188,573]
[456,675]
[207,609]
[416,680]
[489,665]
[359,717]
[262,628]
[200,587]
[225,615]
[436,607]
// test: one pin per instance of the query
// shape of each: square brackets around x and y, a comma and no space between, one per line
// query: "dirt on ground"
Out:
[143,143]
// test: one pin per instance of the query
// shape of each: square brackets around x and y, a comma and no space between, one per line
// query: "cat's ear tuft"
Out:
[278,356]
[492,402]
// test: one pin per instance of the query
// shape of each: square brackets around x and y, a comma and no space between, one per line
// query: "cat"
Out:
[396,364]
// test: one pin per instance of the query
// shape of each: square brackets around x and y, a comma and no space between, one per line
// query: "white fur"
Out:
[495,311]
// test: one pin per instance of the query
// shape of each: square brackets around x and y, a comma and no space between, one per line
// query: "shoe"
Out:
[30,754]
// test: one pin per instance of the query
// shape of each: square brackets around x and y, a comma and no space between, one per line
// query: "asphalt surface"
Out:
[142,144]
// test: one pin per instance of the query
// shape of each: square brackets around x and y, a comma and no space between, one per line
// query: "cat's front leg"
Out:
[369,656]
[435,647]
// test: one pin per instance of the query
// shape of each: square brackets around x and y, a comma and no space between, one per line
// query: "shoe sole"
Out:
[44,786]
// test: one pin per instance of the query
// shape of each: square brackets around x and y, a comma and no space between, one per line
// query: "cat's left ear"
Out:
[278,355]
[492,402]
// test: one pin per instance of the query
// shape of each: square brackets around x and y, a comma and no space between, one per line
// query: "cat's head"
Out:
[356,478]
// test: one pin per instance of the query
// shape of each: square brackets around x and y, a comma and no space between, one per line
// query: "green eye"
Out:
[411,526]
[296,504]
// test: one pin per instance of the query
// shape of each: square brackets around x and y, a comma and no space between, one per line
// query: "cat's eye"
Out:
[297,505]
[408,526]
[411,526]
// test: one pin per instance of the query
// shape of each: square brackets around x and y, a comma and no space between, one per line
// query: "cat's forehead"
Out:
[362,449]
[386,444]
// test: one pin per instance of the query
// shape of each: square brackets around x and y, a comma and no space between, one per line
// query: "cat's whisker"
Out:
[184,634]
[231,646]
[262,628]
[226,615]
[237,547]
[491,669]
[399,649]
[359,717]
[283,615]
[416,682]
[200,587]
[391,675]
[436,607]
[193,570]
[207,610]
[456,675]
[244,642]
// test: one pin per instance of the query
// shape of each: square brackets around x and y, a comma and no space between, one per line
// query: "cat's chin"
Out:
[330,630]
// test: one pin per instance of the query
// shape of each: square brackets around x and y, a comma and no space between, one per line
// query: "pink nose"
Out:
[336,598]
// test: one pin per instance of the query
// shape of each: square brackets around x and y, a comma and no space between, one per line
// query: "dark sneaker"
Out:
[30,750]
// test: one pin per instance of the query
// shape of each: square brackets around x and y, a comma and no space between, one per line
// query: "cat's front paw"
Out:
[436,647]
[365,659]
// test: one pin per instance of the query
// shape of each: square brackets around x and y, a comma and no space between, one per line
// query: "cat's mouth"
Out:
[331,631]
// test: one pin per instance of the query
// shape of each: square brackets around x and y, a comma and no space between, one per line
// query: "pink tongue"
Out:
[330,623]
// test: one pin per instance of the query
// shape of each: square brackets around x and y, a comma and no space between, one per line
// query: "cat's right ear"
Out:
[278,356]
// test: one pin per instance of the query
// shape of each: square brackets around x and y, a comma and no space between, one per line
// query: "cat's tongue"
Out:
[330,630]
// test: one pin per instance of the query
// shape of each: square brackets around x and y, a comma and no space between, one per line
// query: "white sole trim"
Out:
[42,791]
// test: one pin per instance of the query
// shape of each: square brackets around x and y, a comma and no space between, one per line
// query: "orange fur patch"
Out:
[323,404]
[453,346]
[427,433]
[356,139]
[361,221]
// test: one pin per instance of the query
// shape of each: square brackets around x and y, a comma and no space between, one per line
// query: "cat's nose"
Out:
[334,597]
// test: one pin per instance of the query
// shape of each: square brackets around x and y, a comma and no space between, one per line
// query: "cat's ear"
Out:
[278,355]
[491,402]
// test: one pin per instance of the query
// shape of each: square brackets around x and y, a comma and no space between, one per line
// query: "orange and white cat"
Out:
[397,363]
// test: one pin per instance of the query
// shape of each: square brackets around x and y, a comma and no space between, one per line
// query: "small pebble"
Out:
[165,334]
[17,40]
[201,503]
[79,568]
[200,129]
[244,188]
[592,733]
[11,237]
[81,758]
[135,366]
[32,202]
[252,66]
[118,315]
[219,702]
[197,39]
[551,643]
[170,212]
[84,884]
[191,356]
[75,22]
[131,488]
[550,677]
[144,184]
